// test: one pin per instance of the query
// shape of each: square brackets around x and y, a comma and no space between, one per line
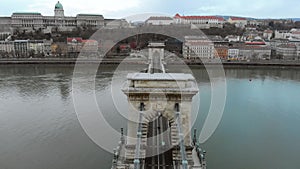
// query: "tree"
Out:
[118,49]
[271,24]
[273,35]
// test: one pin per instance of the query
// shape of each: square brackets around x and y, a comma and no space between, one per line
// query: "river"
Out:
[39,128]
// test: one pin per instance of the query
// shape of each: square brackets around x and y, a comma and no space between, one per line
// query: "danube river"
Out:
[39,128]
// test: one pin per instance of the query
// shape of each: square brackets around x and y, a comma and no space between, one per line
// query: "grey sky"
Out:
[122,8]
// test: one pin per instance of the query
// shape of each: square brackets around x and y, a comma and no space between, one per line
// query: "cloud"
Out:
[212,10]
[122,8]
[72,8]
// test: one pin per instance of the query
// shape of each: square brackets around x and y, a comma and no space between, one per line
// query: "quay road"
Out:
[283,63]
[68,61]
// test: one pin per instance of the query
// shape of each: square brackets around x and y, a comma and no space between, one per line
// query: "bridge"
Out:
[158,131]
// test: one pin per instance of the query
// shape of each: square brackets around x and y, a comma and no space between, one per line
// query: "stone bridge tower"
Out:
[158,131]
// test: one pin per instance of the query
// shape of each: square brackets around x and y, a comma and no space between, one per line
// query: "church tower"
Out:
[59,10]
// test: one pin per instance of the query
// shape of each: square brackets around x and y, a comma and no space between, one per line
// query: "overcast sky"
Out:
[124,8]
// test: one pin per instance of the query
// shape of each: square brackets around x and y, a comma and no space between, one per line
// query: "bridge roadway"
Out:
[159,135]
[156,65]
[158,141]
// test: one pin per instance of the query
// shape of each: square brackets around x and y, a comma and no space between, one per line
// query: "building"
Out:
[26,48]
[21,48]
[238,22]
[263,22]
[5,35]
[274,43]
[250,34]
[198,47]
[36,48]
[233,53]
[77,45]
[35,20]
[254,52]
[74,46]
[216,39]
[220,46]
[5,29]
[256,42]
[233,38]
[90,46]
[159,20]
[6,49]
[253,23]
[116,23]
[268,34]
[294,35]
[174,45]
[298,50]
[221,51]
[202,22]
[282,34]
[5,23]
[287,51]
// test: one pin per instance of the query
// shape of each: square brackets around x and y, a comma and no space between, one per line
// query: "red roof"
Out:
[238,19]
[199,17]
[255,43]
[75,40]
[177,16]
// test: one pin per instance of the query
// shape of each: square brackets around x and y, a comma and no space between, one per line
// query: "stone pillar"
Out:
[159,93]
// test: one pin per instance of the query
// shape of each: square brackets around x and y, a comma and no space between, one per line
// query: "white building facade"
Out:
[159,20]
[6,48]
[282,34]
[287,51]
[233,53]
[203,22]
[238,22]
[33,20]
[254,52]
[198,47]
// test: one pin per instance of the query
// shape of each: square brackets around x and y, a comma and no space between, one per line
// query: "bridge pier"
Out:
[159,119]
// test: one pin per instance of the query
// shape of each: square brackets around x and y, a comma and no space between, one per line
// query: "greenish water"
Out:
[39,127]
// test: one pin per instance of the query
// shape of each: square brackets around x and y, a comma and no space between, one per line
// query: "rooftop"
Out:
[187,38]
[255,43]
[268,31]
[74,39]
[287,46]
[237,18]
[58,5]
[27,13]
[160,18]
[200,17]
[89,15]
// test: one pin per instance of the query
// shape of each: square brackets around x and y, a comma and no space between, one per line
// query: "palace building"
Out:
[34,20]
[202,22]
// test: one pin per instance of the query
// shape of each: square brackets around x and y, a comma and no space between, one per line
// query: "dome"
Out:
[58,5]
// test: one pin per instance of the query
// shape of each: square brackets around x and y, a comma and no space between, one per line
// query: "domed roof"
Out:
[58,6]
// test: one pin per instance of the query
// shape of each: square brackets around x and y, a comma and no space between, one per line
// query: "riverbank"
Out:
[137,61]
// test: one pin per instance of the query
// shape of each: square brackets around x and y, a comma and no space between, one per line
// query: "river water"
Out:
[39,128]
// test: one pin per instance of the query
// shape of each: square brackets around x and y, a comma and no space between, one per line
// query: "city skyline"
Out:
[119,9]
